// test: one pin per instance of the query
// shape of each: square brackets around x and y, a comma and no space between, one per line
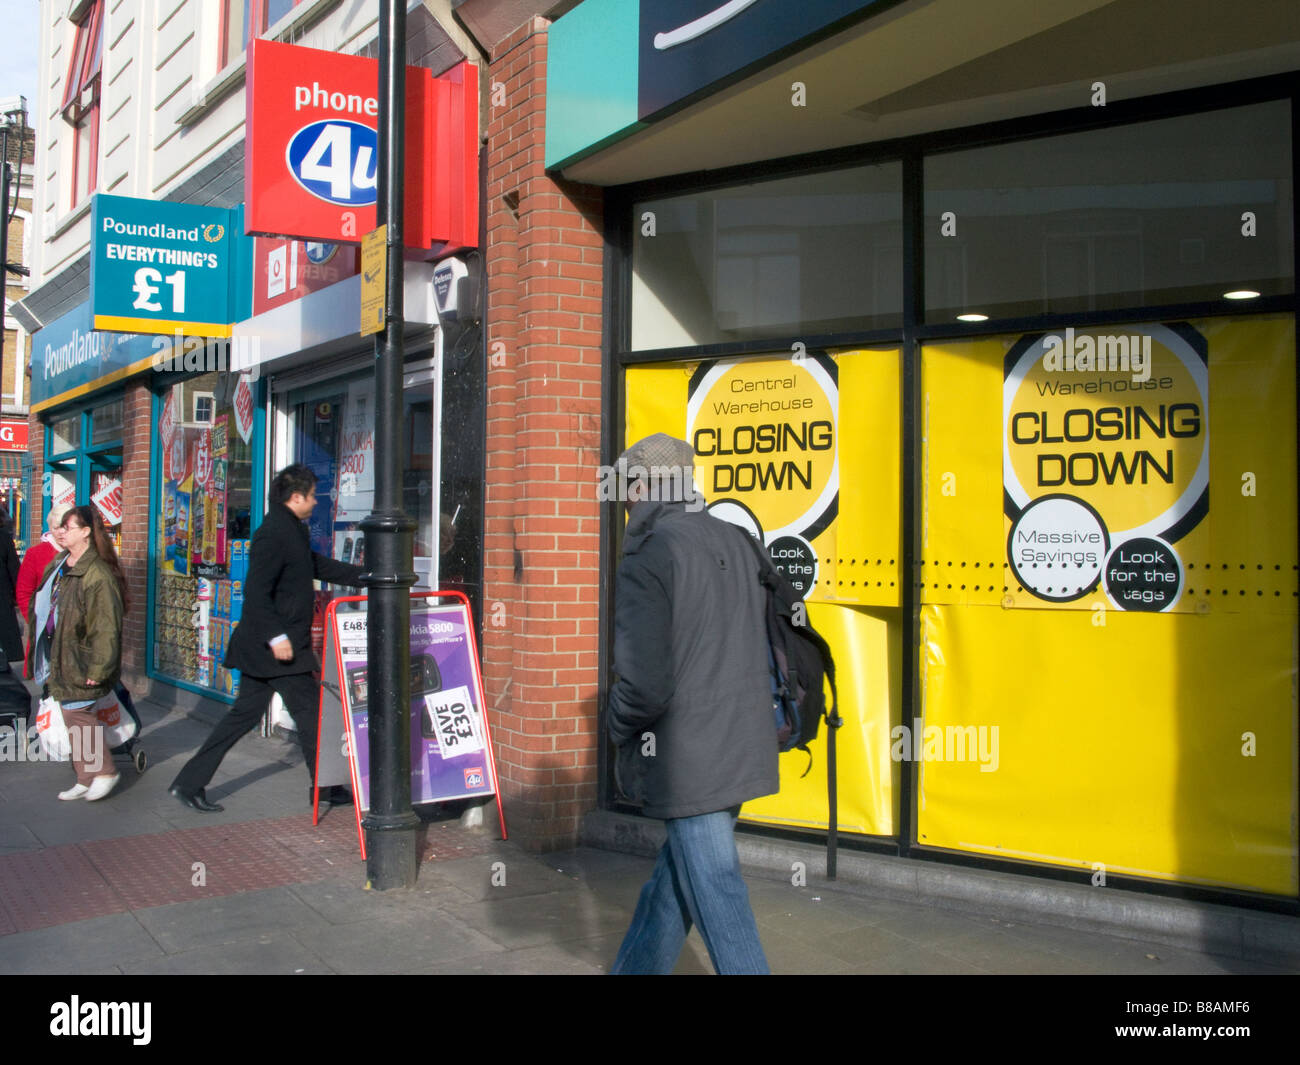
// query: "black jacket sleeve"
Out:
[328,569]
[265,567]
[642,647]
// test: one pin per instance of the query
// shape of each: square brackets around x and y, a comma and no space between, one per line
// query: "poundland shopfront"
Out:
[1004,376]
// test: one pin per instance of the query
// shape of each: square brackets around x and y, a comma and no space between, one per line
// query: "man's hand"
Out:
[283,651]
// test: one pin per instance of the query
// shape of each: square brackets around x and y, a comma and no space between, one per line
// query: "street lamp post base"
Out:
[392,851]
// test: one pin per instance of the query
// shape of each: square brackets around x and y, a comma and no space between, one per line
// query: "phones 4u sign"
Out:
[313,148]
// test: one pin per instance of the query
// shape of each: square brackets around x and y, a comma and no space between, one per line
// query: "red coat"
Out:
[38,556]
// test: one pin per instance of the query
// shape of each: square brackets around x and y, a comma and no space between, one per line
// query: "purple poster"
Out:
[449,752]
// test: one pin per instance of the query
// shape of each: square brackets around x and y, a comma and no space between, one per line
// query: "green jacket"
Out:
[88,640]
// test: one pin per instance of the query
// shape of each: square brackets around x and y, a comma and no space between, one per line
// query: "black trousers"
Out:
[301,695]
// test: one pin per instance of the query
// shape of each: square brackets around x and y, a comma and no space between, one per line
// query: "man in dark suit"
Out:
[271,645]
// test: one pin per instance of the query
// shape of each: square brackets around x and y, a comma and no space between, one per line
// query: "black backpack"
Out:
[801,663]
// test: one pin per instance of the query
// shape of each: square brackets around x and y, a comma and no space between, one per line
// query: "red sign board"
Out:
[13,434]
[203,459]
[108,499]
[313,155]
[244,412]
[285,270]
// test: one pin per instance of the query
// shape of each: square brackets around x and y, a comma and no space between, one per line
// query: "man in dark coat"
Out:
[271,645]
[691,711]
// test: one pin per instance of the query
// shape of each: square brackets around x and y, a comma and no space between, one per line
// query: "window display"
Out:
[203,529]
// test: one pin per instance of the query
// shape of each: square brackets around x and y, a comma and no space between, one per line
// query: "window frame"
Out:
[255,25]
[81,100]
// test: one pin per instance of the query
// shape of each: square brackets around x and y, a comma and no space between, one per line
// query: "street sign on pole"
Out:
[374,277]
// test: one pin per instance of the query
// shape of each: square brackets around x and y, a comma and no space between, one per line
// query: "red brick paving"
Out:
[58,885]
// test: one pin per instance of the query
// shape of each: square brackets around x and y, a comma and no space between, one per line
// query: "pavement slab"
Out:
[269,954]
[139,884]
[80,947]
[191,926]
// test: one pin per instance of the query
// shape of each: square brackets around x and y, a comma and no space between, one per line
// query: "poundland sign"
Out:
[70,359]
[158,266]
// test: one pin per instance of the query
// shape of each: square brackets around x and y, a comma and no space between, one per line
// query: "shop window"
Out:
[80,105]
[65,434]
[332,428]
[334,434]
[1179,210]
[242,20]
[83,462]
[203,408]
[106,423]
[812,255]
[201,548]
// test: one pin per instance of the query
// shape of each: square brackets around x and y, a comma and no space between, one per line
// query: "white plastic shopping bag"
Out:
[52,731]
[118,724]
[280,716]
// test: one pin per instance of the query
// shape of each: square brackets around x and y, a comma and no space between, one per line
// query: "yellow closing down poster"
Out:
[1109,606]
[772,447]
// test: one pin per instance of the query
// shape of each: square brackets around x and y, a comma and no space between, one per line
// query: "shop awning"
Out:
[11,463]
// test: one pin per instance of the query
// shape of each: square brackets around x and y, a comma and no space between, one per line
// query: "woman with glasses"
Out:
[76,650]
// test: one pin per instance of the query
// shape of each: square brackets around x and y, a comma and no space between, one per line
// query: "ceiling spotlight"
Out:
[1241,294]
[972,317]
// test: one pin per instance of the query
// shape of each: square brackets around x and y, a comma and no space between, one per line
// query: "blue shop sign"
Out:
[71,359]
[157,266]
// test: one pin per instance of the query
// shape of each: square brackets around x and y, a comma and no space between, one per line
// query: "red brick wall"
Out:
[542,544]
[36,505]
[137,432]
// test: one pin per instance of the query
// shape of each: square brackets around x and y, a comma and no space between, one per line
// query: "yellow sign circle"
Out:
[1119,421]
[765,435]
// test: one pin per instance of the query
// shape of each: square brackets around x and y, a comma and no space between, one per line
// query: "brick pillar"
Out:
[36,504]
[542,545]
[137,433]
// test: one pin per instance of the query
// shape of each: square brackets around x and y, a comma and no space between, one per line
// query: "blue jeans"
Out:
[696,880]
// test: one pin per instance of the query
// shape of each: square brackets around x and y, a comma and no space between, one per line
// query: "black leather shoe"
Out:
[336,795]
[197,801]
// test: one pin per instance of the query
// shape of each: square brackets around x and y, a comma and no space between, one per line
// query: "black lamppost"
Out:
[7,213]
[390,823]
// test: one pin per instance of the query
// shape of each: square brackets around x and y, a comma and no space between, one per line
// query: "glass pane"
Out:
[460,517]
[276,10]
[1177,210]
[63,486]
[96,48]
[106,495]
[318,444]
[106,423]
[811,255]
[236,20]
[65,434]
[418,497]
[202,539]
